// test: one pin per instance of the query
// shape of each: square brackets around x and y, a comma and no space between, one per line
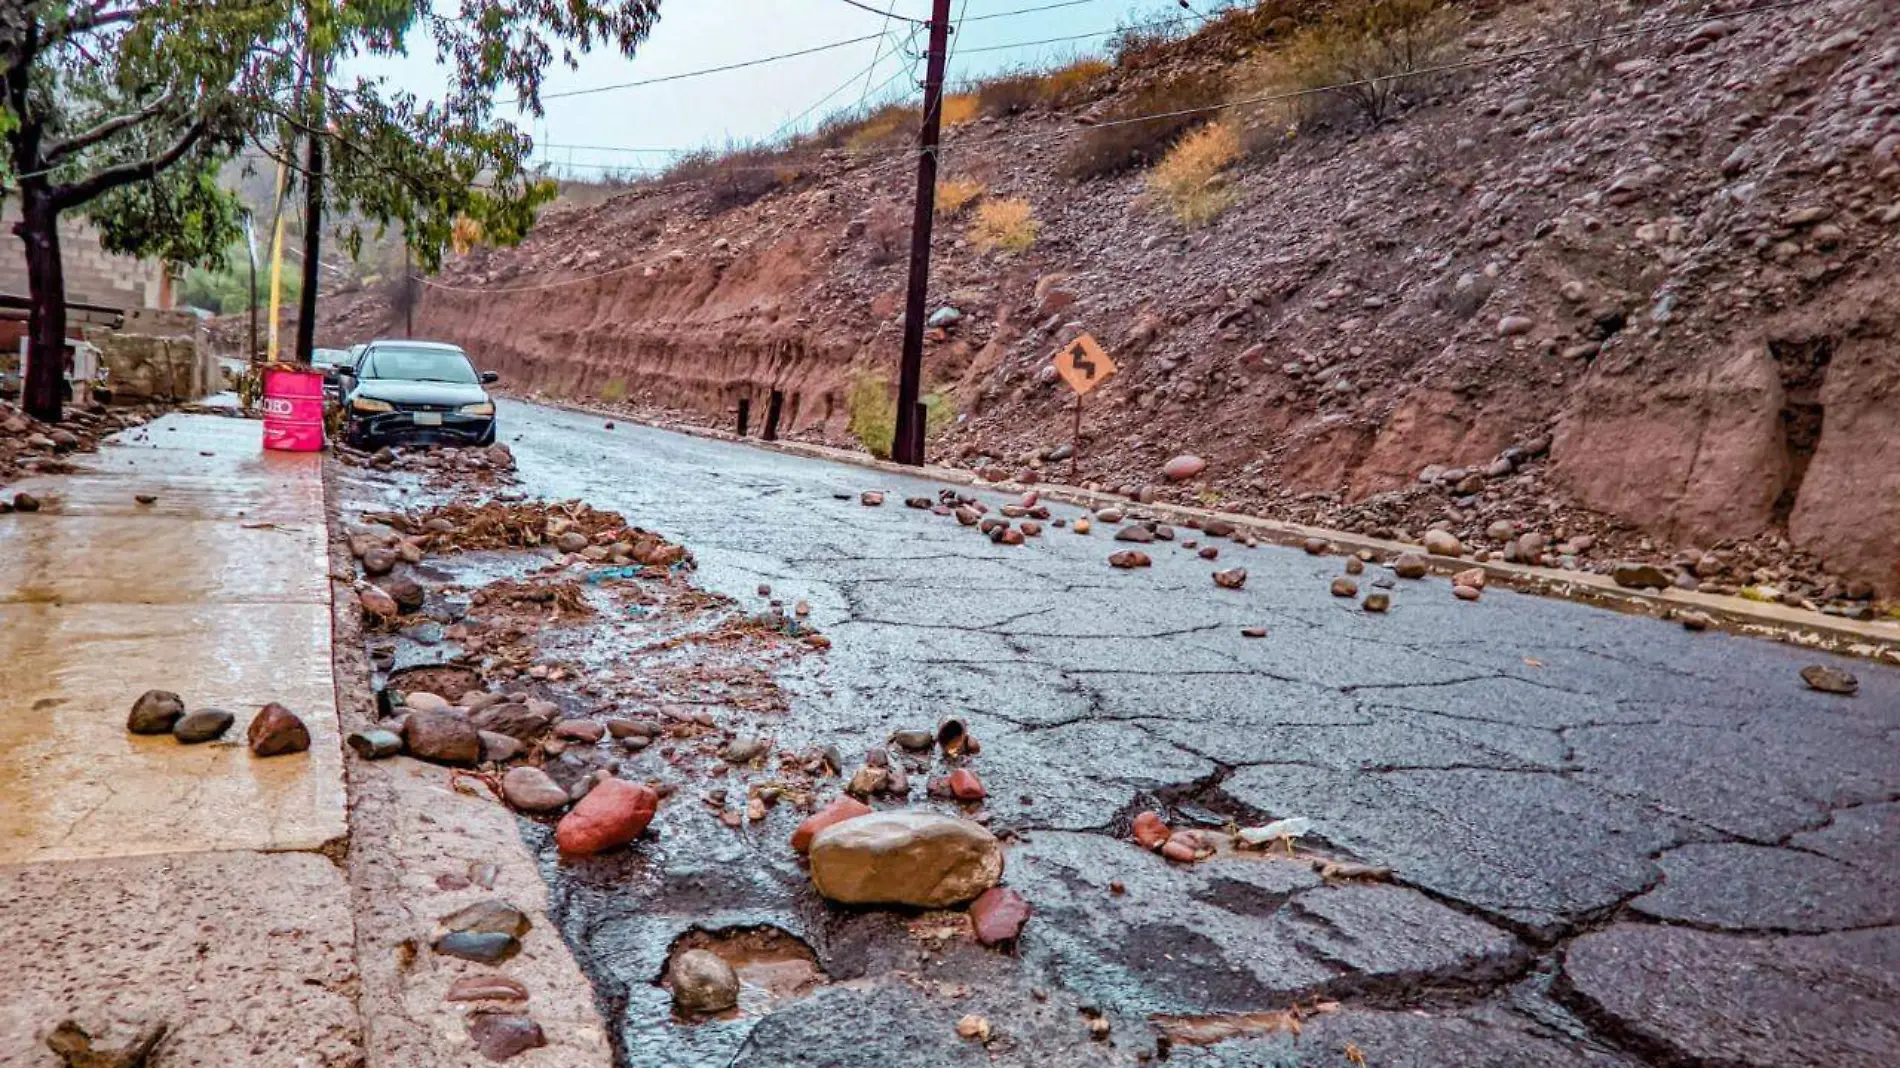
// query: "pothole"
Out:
[773,965]
[444,680]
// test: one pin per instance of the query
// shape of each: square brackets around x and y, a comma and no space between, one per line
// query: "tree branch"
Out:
[61,149]
[77,193]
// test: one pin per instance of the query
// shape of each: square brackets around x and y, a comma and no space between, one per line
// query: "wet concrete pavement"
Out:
[145,882]
[1613,841]
[216,590]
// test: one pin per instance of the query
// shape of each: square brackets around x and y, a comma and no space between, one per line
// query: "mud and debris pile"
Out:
[30,447]
[571,527]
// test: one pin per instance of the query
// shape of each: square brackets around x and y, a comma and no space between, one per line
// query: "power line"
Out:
[887,14]
[814,50]
[1026,10]
[1075,36]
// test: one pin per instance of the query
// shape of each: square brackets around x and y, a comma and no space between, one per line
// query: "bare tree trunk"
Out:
[46,285]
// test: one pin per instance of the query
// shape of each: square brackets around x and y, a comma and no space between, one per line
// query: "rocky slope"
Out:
[1632,299]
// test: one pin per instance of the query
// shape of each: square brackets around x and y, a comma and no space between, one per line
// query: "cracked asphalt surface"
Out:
[1614,842]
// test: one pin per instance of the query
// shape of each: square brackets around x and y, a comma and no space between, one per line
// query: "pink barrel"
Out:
[293,409]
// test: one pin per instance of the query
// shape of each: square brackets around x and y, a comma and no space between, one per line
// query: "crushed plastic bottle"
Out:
[1288,829]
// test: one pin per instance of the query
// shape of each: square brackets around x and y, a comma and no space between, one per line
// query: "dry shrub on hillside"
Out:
[735,176]
[1007,225]
[886,234]
[1129,137]
[960,108]
[886,127]
[872,406]
[1189,180]
[1371,52]
[955,194]
[1064,87]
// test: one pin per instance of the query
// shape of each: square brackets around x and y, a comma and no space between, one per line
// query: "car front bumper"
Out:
[440,428]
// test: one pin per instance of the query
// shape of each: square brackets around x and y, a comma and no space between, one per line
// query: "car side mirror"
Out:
[490,378]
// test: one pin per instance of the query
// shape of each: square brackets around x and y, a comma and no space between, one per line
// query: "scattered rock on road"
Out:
[375,744]
[1138,533]
[871,499]
[442,737]
[703,983]
[965,786]
[1466,593]
[998,915]
[532,790]
[1473,577]
[1830,680]
[276,730]
[1315,546]
[1253,632]
[1231,579]
[1129,559]
[155,712]
[974,1027]
[1695,620]
[1410,566]
[377,603]
[844,808]
[905,858]
[612,814]
[1377,602]
[1345,587]
[25,502]
[204,725]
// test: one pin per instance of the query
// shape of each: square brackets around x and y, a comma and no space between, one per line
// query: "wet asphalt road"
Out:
[1614,842]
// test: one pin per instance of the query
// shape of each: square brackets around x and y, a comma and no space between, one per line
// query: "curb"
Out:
[1867,640]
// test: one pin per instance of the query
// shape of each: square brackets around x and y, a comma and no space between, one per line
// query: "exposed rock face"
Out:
[905,858]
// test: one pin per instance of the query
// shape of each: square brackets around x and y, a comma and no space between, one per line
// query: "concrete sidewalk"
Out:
[147,881]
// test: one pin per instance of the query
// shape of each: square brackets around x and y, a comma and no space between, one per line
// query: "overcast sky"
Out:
[591,132]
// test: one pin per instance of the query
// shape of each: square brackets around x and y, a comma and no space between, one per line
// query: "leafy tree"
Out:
[126,108]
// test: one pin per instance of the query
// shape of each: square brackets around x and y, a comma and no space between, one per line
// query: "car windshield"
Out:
[419,365]
[330,358]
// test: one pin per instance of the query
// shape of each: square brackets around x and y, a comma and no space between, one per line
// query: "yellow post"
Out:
[277,262]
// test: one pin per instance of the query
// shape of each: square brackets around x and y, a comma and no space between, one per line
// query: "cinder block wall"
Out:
[92,275]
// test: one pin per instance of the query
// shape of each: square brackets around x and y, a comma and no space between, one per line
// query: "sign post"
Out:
[1083,365]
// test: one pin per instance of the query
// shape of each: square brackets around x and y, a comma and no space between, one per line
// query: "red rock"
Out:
[1150,832]
[1231,579]
[1466,593]
[844,808]
[1472,577]
[1182,468]
[1128,559]
[998,915]
[1210,553]
[965,786]
[612,814]
[500,1036]
[276,730]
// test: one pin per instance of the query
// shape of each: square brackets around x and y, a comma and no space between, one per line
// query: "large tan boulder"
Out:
[905,858]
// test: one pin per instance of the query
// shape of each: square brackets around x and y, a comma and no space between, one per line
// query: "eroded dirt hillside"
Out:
[1639,298]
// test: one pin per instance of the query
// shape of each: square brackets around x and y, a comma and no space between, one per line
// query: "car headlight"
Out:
[371,404]
[484,408]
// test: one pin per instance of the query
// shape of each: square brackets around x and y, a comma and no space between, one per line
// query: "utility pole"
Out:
[409,293]
[312,217]
[907,445]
